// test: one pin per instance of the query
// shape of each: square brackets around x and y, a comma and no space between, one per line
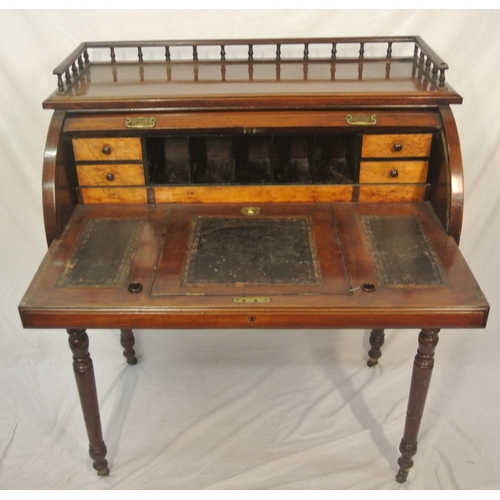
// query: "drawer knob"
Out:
[397,147]
[394,173]
[110,176]
[107,149]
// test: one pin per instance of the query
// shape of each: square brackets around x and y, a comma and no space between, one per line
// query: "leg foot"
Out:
[377,338]
[85,382]
[103,472]
[405,462]
[98,455]
[420,381]
[127,341]
[402,475]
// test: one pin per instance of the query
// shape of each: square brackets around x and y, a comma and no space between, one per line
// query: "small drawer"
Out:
[404,172]
[107,148]
[396,145]
[119,195]
[111,175]
[389,192]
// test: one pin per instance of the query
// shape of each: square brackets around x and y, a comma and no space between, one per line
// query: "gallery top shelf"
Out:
[179,72]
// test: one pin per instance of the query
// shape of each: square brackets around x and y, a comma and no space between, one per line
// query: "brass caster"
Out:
[402,475]
[103,472]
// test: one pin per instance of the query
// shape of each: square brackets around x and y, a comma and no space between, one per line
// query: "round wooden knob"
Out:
[394,173]
[107,149]
[397,147]
[110,176]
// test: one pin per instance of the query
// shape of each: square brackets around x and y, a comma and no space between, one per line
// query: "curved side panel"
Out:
[58,194]
[456,175]
[446,175]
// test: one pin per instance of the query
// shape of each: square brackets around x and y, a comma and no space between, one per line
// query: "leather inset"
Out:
[402,254]
[257,251]
[104,253]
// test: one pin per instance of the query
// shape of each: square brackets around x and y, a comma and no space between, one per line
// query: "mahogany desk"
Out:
[253,184]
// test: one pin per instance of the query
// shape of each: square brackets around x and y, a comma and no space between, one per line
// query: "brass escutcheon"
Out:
[140,122]
[250,210]
[361,119]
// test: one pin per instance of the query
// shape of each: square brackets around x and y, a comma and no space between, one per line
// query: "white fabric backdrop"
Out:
[252,409]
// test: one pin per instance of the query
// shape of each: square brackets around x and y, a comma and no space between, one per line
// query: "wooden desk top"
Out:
[350,248]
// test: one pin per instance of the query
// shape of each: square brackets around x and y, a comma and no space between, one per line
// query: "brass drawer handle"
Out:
[393,173]
[110,177]
[107,149]
[397,147]
[361,119]
[140,122]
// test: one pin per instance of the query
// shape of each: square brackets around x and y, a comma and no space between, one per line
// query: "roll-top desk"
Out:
[253,184]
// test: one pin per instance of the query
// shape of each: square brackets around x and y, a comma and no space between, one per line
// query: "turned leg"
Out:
[85,382]
[422,371]
[377,337]
[127,341]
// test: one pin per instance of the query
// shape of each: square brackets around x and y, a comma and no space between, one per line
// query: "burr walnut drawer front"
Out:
[114,174]
[396,145]
[107,148]
[372,172]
